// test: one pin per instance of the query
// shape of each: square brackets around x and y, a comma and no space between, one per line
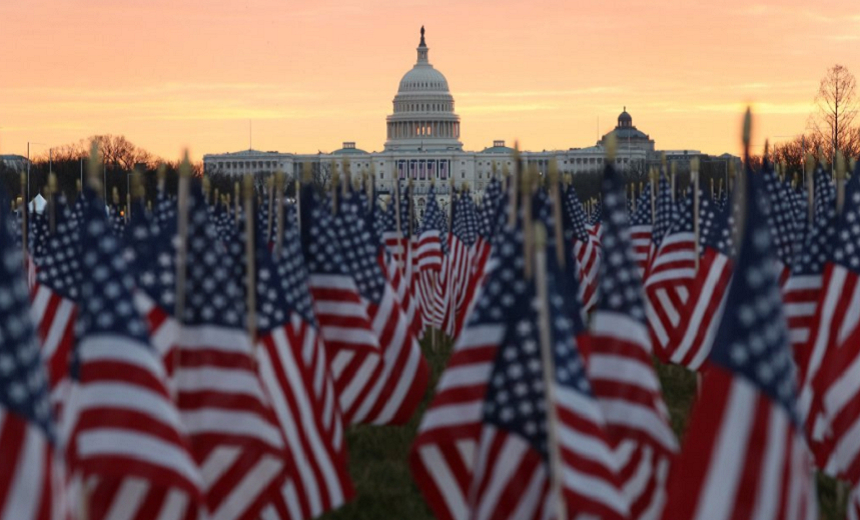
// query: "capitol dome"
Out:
[423,117]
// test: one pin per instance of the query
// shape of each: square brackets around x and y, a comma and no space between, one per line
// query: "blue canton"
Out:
[620,286]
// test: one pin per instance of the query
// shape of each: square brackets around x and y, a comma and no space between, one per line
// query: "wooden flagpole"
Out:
[181,249]
[555,474]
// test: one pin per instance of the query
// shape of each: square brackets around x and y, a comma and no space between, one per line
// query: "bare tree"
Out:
[837,108]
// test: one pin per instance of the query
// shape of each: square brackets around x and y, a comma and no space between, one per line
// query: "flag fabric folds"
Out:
[744,455]
[620,368]
[27,428]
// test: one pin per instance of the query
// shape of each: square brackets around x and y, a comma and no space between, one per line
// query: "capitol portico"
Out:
[423,143]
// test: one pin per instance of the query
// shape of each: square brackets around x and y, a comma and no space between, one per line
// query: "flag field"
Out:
[379,454]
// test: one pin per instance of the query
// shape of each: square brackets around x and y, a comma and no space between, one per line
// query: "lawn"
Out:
[379,454]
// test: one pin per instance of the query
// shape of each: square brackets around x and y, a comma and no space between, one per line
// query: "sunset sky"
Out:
[311,74]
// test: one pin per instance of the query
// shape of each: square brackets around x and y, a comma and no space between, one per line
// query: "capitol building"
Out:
[423,143]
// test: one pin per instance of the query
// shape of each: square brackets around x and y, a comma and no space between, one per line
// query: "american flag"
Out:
[785,228]
[27,431]
[234,432]
[512,468]
[489,209]
[124,439]
[802,290]
[400,385]
[442,457]
[620,367]
[666,215]
[673,266]
[586,248]
[401,244]
[431,234]
[703,311]
[479,255]
[640,230]
[53,304]
[294,371]
[744,454]
[829,391]
[457,281]
[432,251]
[352,348]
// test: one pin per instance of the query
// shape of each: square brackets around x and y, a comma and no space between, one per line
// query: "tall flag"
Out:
[586,247]
[125,441]
[53,300]
[235,436]
[352,348]
[781,220]
[489,209]
[694,337]
[666,215]
[400,385]
[621,370]
[456,275]
[442,457]
[829,391]
[27,430]
[640,230]
[802,290]
[513,469]
[744,454]
[673,265]
[431,253]
[293,368]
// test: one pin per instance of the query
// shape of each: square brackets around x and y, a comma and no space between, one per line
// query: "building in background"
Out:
[423,144]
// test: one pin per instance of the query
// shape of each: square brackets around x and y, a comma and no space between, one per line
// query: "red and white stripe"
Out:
[800,297]
[837,386]
[294,372]
[443,456]
[429,250]
[400,385]
[667,286]
[837,315]
[694,337]
[588,258]
[628,391]
[27,479]
[123,433]
[742,458]
[511,479]
[352,348]
[640,236]
[234,432]
[54,318]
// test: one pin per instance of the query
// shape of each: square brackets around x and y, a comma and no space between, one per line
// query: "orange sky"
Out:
[311,74]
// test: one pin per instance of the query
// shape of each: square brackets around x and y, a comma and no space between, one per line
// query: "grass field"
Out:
[379,454]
